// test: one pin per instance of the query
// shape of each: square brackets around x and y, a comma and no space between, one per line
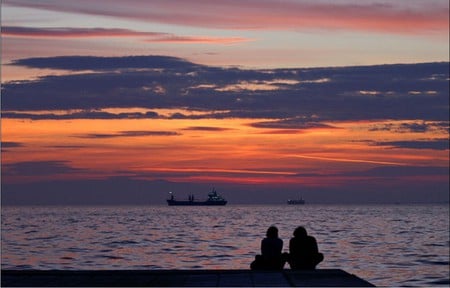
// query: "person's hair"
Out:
[272,232]
[300,231]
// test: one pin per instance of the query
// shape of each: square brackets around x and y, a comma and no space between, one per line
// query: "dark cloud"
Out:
[80,115]
[292,123]
[401,171]
[8,144]
[18,31]
[38,168]
[283,131]
[410,91]
[417,127]
[77,63]
[67,146]
[434,144]
[205,128]
[129,134]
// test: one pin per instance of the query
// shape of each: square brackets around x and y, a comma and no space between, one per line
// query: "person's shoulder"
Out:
[311,238]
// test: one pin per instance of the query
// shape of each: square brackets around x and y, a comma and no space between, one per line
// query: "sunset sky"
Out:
[121,101]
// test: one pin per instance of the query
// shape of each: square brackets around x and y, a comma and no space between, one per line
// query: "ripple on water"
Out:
[111,257]
[44,238]
[121,243]
[430,262]
[367,241]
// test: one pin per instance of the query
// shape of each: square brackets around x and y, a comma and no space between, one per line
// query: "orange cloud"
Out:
[69,32]
[398,17]
[199,39]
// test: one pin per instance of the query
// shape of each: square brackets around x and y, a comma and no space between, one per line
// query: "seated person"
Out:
[271,257]
[304,253]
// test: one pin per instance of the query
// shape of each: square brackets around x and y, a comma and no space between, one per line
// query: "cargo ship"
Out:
[214,199]
[299,201]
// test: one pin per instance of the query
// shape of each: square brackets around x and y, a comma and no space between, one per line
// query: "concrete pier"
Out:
[180,278]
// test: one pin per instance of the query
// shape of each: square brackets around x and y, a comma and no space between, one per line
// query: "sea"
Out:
[387,245]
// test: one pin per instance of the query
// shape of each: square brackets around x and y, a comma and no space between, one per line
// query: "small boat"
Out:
[296,201]
[214,199]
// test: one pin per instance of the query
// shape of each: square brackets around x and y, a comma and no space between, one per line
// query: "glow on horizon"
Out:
[89,144]
[239,117]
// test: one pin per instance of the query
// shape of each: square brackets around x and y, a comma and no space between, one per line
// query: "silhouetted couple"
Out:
[303,251]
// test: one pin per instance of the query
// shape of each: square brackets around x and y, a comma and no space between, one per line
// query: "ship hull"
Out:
[296,202]
[196,203]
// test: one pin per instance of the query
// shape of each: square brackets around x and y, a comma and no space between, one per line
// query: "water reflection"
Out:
[387,245]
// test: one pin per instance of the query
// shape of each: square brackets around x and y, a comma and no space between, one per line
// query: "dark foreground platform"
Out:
[181,278]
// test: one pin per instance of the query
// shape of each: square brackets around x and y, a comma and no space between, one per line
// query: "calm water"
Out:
[396,245]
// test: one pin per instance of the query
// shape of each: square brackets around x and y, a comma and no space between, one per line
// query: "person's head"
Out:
[272,232]
[300,232]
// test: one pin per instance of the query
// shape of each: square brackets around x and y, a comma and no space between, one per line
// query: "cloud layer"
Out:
[71,32]
[368,16]
[297,98]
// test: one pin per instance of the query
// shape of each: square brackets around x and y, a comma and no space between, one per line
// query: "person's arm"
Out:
[280,246]
[263,247]
[291,246]
[314,247]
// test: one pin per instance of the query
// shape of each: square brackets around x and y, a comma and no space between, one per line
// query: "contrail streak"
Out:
[347,160]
